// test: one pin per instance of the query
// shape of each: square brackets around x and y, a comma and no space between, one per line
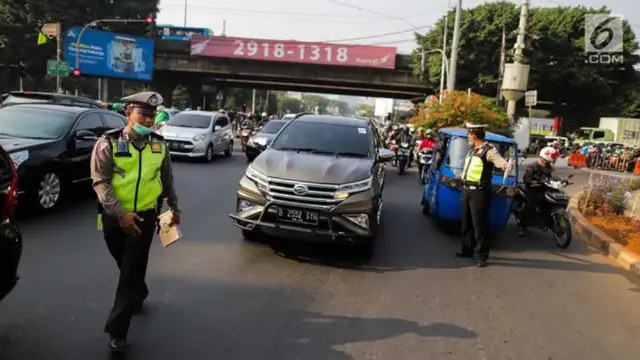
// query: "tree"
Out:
[343,107]
[315,102]
[581,92]
[364,110]
[287,104]
[458,108]
[19,22]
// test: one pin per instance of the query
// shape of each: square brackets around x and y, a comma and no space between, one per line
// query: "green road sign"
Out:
[57,68]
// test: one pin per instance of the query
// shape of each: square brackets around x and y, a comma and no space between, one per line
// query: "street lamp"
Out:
[148,19]
[444,70]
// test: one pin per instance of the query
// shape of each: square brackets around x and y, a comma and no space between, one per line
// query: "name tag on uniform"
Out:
[156,148]
[123,149]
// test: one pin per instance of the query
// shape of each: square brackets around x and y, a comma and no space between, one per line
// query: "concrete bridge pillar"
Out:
[165,86]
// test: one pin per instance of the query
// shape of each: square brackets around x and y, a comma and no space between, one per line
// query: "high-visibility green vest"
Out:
[136,178]
[474,165]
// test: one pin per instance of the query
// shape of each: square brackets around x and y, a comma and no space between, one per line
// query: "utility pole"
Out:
[224,27]
[443,69]
[453,63]
[516,74]
[186,5]
[503,60]
[253,102]
[58,55]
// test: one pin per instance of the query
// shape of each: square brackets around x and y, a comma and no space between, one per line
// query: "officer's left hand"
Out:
[175,218]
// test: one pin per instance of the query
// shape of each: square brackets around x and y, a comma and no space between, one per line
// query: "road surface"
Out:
[215,297]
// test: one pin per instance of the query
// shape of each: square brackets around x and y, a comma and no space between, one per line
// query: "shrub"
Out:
[607,195]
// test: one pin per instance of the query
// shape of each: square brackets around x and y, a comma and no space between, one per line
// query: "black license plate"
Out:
[298,216]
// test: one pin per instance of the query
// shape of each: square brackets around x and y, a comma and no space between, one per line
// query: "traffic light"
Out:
[76,72]
[152,31]
[244,107]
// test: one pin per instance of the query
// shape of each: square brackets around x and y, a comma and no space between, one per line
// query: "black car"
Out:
[320,180]
[51,146]
[259,143]
[10,236]
[21,97]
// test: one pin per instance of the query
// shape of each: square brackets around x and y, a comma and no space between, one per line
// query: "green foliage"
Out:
[365,110]
[180,96]
[315,102]
[555,51]
[608,196]
[287,104]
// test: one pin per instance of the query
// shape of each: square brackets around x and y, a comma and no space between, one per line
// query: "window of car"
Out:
[113,121]
[272,127]
[323,137]
[222,121]
[91,122]
[598,134]
[187,120]
[34,122]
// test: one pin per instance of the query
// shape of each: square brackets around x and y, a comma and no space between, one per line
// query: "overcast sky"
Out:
[329,20]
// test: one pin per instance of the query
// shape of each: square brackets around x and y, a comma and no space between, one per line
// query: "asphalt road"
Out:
[215,297]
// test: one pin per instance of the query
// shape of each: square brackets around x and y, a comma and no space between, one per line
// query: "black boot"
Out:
[117,344]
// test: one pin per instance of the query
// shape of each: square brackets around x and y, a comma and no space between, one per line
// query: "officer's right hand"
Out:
[129,223]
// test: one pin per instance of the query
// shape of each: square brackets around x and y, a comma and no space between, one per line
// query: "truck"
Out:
[611,129]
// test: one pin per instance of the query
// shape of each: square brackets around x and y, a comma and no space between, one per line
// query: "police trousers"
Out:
[131,253]
[476,230]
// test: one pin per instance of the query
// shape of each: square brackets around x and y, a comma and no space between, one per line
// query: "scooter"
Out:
[402,157]
[425,157]
[245,134]
[551,214]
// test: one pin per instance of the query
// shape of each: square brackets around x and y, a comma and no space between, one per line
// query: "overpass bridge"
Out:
[175,65]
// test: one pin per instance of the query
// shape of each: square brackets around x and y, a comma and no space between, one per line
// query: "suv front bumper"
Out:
[338,224]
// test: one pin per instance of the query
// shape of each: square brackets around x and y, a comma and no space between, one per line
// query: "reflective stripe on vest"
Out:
[137,182]
[474,165]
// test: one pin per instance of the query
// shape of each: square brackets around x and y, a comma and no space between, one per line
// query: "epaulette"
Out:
[113,134]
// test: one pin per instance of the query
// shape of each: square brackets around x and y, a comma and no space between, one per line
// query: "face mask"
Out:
[141,130]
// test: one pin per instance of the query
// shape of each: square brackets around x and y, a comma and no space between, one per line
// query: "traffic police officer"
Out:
[131,173]
[476,194]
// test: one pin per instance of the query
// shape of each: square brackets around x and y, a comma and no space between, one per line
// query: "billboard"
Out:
[294,51]
[107,54]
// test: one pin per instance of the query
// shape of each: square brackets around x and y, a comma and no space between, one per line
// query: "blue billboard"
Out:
[107,54]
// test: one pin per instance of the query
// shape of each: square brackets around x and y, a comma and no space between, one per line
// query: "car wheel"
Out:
[48,191]
[209,155]
[229,150]
[250,236]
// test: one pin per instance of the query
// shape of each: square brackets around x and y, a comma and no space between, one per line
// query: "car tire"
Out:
[47,192]
[250,236]
[229,150]
[209,155]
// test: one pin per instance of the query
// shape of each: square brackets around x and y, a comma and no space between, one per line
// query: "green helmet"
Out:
[118,106]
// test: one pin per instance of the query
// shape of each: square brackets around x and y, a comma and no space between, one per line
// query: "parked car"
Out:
[10,236]
[322,178]
[198,134]
[263,138]
[51,146]
[21,97]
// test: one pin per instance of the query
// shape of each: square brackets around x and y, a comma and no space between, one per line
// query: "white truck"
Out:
[625,130]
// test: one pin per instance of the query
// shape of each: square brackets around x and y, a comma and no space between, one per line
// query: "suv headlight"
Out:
[261,180]
[345,190]
[199,137]
[19,157]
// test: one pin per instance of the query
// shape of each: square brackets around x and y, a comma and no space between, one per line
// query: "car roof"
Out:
[201,112]
[278,121]
[462,132]
[54,107]
[56,95]
[330,119]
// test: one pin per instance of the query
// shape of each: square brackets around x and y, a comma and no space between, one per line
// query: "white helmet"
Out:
[160,108]
[264,114]
[550,154]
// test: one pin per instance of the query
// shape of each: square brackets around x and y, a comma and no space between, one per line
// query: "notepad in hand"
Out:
[169,233]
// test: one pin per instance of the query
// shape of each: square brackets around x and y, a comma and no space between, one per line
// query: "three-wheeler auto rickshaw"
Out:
[443,191]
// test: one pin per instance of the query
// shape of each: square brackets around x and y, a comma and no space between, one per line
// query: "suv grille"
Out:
[316,196]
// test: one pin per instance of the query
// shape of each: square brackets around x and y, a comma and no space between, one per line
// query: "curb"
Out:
[602,242]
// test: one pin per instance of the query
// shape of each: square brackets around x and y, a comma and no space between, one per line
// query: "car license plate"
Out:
[298,216]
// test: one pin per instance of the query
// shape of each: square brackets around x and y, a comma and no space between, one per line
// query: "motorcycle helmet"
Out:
[549,154]
[160,108]
[264,114]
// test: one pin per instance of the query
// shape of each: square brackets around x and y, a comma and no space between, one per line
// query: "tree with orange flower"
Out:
[458,108]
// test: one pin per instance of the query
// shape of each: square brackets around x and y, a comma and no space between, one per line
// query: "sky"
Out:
[336,20]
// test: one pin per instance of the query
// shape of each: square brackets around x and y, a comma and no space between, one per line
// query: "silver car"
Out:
[198,134]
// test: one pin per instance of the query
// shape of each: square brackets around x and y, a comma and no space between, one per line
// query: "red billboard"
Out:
[294,51]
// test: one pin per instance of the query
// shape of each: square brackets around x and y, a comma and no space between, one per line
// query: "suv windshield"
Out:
[460,147]
[197,121]
[272,127]
[19,121]
[325,138]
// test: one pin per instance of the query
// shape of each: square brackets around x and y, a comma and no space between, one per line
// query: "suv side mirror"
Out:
[85,135]
[385,154]
[217,128]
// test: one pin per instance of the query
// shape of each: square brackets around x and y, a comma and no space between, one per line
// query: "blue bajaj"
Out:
[443,190]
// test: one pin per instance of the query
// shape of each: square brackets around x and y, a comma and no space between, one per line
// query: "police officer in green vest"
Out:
[476,194]
[132,174]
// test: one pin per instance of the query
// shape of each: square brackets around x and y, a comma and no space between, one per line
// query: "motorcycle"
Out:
[402,157]
[551,213]
[393,146]
[425,157]
[245,134]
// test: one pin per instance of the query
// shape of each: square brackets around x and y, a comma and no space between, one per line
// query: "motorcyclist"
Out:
[264,117]
[161,116]
[404,136]
[247,123]
[428,142]
[534,175]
